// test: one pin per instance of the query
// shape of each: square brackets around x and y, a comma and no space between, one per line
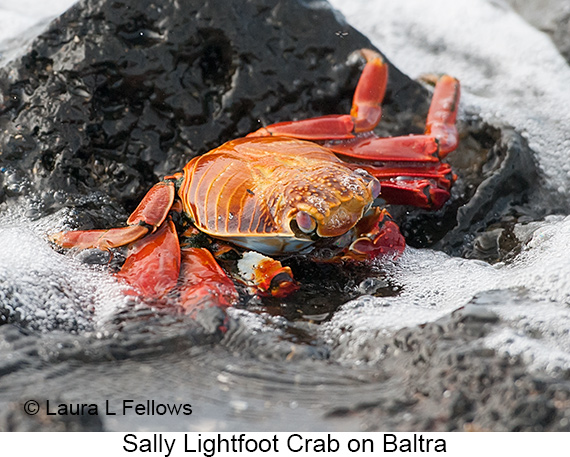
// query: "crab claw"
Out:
[377,235]
[267,276]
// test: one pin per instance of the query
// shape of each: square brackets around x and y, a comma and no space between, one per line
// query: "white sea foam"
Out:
[47,290]
[435,284]
[21,20]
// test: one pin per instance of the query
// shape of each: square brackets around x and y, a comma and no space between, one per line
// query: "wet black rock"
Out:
[450,380]
[117,94]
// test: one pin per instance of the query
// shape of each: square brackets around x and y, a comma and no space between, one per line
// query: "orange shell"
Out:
[249,190]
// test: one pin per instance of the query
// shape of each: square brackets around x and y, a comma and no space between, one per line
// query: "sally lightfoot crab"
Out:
[291,187]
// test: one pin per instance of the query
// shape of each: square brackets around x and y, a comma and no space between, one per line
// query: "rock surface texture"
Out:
[114,96]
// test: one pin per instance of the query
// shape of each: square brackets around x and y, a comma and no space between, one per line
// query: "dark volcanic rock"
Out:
[116,94]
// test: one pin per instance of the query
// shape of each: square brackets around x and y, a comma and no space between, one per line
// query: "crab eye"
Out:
[374,187]
[305,222]
[373,183]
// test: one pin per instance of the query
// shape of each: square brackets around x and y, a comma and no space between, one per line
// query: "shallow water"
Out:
[75,311]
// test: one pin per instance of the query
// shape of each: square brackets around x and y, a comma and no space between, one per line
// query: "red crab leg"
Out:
[443,113]
[364,115]
[153,262]
[439,139]
[332,127]
[149,215]
[366,103]
[370,148]
[101,239]
[422,193]
[155,205]
[422,185]
[203,283]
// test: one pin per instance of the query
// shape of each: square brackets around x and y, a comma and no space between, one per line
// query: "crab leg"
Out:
[443,113]
[147,217]
[439,139]
[422,193]
[101,239]
[155,205]
[366,103]
[364,116]
[425,185]
[153,262]
[203,283]
[156,266]
[411,148]
[332,127]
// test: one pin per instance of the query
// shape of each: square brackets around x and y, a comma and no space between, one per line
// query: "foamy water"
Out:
[531,295]
[46,290]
